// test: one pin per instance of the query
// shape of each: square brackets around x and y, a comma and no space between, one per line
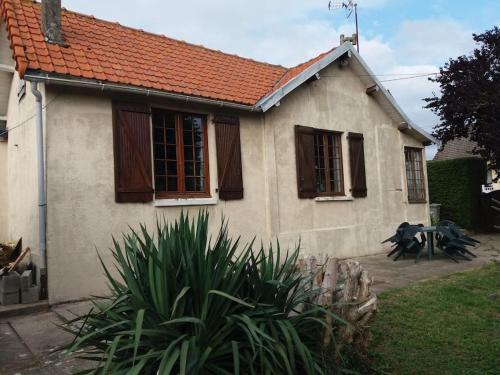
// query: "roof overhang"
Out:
[361,68]
[55,79]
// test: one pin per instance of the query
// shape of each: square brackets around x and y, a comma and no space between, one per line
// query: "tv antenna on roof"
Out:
[350,7]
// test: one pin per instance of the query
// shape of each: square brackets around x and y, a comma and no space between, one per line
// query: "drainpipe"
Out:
[42,201]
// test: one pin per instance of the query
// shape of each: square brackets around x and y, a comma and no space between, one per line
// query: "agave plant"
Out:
[183,304]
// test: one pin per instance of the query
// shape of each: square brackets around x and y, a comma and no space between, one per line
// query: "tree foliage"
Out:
[469,105]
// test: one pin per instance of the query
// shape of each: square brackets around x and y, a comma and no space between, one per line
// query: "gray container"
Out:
[435,212]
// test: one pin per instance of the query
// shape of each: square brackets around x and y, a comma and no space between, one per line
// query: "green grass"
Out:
[445,326]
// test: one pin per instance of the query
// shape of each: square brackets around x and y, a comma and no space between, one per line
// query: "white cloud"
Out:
[422,41]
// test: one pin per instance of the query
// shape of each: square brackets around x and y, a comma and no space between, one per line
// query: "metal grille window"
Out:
[415,174]
[180,154]
[328,163]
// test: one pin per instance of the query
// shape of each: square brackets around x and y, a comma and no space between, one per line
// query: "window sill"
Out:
[171,202]
[330,199]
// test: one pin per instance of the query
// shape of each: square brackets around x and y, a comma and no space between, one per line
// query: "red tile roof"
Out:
[107,51]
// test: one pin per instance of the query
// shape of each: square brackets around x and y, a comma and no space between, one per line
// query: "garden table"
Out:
[429,231]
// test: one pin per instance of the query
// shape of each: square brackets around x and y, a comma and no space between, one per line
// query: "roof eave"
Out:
[275,97]
[49,78]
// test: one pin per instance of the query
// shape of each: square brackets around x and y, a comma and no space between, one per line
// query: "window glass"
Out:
[328,163]
[179,148]
[414,174]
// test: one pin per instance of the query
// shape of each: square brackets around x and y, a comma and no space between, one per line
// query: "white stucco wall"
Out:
[4,208]
[338,101]
[22,170]
[82,213]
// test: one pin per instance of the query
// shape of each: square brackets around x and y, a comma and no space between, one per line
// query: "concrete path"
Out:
[389,274]
[30,344]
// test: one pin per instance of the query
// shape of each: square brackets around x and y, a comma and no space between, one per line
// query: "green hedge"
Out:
[456,185]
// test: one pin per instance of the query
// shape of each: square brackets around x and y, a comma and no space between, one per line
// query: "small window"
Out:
[415,175]
[180,154]
[328,163]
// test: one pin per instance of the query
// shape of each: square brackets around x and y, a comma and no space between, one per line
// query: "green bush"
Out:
[456,185]
[187,305]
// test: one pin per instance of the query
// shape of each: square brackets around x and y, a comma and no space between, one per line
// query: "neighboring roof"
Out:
[98,51]
[456,149]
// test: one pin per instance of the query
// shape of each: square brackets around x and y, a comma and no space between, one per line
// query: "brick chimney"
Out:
[51,21]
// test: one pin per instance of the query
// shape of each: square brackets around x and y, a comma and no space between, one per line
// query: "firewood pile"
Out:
[345,288]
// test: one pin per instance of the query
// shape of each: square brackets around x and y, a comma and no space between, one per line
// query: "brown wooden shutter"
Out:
[357,163]
[227,139]
[132,153]
[304,153]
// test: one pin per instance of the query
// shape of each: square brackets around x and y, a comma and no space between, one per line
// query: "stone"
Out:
[26,280]
[10,283]
[9,298]
[30,295]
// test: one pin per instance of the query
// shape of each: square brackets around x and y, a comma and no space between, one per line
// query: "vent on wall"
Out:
[4,134]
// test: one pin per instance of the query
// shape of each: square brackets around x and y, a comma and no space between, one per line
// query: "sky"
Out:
[398,38]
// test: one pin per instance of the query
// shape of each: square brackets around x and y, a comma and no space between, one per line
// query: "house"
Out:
[463,148]
[110,126]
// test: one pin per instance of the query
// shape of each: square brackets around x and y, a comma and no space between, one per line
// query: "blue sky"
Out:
[399,38]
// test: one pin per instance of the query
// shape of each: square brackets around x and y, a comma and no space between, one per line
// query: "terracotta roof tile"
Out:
[108,51]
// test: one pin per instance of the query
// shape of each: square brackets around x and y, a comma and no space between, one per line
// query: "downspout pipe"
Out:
[42,200]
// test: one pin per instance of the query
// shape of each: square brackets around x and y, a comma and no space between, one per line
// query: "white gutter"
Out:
[42,200]
[103,86]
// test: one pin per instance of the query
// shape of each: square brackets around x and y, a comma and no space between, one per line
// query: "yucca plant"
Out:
[183,304]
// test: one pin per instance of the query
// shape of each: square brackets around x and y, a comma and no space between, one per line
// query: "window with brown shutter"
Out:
[357,164]
[415,175]
[180,151]
[229,169]
[132,153]
[306,166]
[319,162]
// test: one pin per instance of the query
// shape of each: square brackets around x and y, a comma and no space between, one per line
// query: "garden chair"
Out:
[452,241]
[406,242]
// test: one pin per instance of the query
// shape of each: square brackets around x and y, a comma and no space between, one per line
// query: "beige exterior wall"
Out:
[4,208]
[351,227]
[82,213]
[22,170]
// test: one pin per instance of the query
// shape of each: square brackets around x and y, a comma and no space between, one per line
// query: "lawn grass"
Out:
[446,326]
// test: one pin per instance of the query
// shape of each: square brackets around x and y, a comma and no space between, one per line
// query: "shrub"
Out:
[185,305]
[456,185]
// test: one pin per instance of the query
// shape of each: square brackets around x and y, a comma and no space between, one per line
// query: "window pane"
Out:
[164,148]
[160,183]
[171,152]
[159,151]
[158,134]
[189,168]
[200,184]
[171,168]
[171,136]
[414,174]
[190,184]
[188,138]
[172,184]
[159,167]
[319,160]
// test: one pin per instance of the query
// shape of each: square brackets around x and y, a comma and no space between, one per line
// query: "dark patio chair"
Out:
[451,240]
[404,241]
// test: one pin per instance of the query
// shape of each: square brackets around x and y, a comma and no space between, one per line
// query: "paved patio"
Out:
[389,274]
[30,343]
